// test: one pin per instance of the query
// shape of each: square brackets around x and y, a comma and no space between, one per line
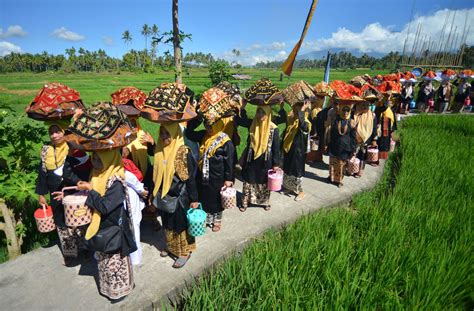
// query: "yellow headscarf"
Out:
[56,155]
[139,152]
[163,167]
[365,125]
[388,113]
[112,166]
[292,129]
[228,125]
[208,140]
[260,132]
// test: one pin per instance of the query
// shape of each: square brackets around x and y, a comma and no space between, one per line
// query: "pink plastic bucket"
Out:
[275,180]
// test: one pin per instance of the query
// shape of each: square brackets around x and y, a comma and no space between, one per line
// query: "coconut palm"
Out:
[127,37]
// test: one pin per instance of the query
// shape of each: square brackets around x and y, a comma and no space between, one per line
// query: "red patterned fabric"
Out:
[389,86]
[449,73]
[430,74]
[52,95]
[124,95]
[344,90]
[395,77]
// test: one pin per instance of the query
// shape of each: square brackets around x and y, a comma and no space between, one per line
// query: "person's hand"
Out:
[42,200]
[374,143]
[194,205]
[275,168]
[145,193]
[228,184]
[84,185]
[147,138]
[58,195]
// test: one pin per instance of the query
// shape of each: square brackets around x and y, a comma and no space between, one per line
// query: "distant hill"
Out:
[323,53]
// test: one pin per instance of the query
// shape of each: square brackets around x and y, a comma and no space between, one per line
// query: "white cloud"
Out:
[278,45]
[64,34]
[13,31]
[255,53]
[379,38]
[108,41]
[374,37]
[7,48]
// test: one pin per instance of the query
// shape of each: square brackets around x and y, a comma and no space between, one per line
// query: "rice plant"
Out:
[407,245]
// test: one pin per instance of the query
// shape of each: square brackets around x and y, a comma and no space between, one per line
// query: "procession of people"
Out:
[101,170]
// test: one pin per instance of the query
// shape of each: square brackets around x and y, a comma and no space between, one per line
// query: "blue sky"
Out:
[261,29]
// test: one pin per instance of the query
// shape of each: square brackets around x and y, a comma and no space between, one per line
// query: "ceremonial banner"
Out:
[287,66]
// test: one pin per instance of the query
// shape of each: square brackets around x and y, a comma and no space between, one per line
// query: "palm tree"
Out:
[154,42]
[176,42]
[146,32]
[127,37]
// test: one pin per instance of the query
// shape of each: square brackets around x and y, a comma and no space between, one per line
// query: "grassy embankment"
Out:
[407,244]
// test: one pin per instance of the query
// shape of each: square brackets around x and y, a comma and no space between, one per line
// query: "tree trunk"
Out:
[13,242]
[176,43]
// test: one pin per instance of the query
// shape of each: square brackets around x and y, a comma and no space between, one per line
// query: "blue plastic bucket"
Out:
[196,221]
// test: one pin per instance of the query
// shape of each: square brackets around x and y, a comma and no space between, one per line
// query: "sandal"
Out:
[181,261]
[243,208]
[267,207]
[164,253]
[216,227]
[300,196]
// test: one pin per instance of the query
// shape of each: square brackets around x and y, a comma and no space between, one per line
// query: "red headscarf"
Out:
[132,168]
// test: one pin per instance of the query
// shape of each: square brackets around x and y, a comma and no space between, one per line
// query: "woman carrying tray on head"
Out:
[130,100]
[386,124]
[173,175]
[366,132]
[60,165]
[296,136]
[174,167]
[426,92]
[216,154]
[342,131]
[262,152]
[103,129]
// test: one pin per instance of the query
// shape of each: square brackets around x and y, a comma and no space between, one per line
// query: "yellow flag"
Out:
[287,66]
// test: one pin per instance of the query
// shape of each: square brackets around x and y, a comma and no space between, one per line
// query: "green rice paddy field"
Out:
[18,89]
[407,244]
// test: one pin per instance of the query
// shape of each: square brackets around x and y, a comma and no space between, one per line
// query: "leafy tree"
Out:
[219,71]
[20,142]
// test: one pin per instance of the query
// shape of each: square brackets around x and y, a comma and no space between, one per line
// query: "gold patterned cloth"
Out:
[298,92]
[255,194]
[263,92]
[180,244]
[336,169]
[101,127]
[216,104]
